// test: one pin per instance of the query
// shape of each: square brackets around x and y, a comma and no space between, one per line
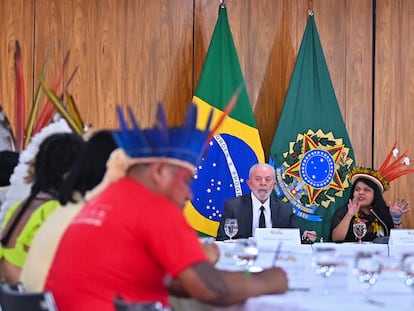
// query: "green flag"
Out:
[224,171]
[311,150]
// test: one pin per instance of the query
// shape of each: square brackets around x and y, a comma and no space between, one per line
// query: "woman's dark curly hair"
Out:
[89,168]
[55,157]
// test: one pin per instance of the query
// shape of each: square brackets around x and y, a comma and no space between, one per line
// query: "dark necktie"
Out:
[262,222]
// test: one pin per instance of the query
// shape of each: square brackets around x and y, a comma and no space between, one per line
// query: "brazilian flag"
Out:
[237,146]
[311,150]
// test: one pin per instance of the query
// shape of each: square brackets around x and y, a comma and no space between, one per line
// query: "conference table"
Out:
[308,291]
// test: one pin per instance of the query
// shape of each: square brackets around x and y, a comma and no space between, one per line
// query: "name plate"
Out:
[272,236]
[401,236]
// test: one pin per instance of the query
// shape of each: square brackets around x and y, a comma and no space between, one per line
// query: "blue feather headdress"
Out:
[183,145]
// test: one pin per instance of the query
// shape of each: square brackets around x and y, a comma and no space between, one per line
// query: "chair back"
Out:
[13,299]
[122,305]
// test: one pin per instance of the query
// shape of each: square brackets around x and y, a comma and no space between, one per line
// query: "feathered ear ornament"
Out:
[387,172]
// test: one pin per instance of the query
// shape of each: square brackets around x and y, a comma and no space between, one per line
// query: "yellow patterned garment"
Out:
[18,254]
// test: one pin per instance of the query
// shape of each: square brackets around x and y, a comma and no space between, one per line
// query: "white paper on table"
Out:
[401,237]
[398,251]
[298,268]
[336,282]
[226,261]
[351,249]
[268,237]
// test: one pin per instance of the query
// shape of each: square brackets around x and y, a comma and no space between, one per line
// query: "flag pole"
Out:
[310,7]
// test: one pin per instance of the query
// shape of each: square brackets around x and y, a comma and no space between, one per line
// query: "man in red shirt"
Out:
[132,239]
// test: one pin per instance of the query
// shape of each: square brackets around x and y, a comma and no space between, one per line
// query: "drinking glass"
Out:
[231,227]
[407,270]
[325,262]
[360,229]
[367,268]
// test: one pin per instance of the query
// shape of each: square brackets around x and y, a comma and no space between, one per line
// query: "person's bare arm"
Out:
[340,231]
[397,210]
[204,282]
[213,253]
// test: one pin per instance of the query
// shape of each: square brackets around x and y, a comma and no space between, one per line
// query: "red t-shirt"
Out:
[125,241]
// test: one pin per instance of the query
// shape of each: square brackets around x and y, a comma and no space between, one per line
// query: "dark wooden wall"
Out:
[140,52]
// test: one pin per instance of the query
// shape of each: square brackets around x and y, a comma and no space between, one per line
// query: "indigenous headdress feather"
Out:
[31,130]
[387,172]
[25,127]
[183,145]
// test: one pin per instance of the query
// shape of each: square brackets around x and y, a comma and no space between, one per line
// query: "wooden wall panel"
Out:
[49,34]
[159,57]
[357,96]
[133,53]
[394,90]
[95,31]
[16,23]
[330,18]
[285,23]
[83,38]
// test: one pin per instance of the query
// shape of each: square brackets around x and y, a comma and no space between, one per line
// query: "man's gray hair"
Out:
[262,165]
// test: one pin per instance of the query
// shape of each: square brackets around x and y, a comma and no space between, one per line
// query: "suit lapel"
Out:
[274,211]
[245,216]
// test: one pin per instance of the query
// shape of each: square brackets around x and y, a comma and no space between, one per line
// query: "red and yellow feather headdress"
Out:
[387,172]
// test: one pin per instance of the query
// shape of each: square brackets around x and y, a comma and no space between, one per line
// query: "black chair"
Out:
[14,299]
[122,305]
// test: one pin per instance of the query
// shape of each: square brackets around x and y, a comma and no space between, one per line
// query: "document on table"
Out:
[296,264]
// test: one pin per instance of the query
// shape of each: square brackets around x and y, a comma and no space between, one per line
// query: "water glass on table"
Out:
[360,230]
[231,227]
[407,271]
[245,254]
[325,261]
[367,268]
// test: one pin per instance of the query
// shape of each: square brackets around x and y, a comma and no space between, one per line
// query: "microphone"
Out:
[382,239]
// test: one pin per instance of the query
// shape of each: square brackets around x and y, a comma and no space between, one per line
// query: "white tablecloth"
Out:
[302,301]
[342,291]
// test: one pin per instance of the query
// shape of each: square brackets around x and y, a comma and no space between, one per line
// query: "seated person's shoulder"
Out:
[237,199]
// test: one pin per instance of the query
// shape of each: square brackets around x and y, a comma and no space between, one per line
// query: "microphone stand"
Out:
[383,239]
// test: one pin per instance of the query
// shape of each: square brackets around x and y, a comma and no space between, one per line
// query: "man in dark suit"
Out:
[259,208]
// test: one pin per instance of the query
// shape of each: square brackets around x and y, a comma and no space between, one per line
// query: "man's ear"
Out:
[160,172]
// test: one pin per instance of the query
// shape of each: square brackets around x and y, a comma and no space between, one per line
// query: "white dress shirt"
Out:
[256,204]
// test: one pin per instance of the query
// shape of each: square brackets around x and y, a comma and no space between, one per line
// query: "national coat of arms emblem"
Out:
[314,173]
